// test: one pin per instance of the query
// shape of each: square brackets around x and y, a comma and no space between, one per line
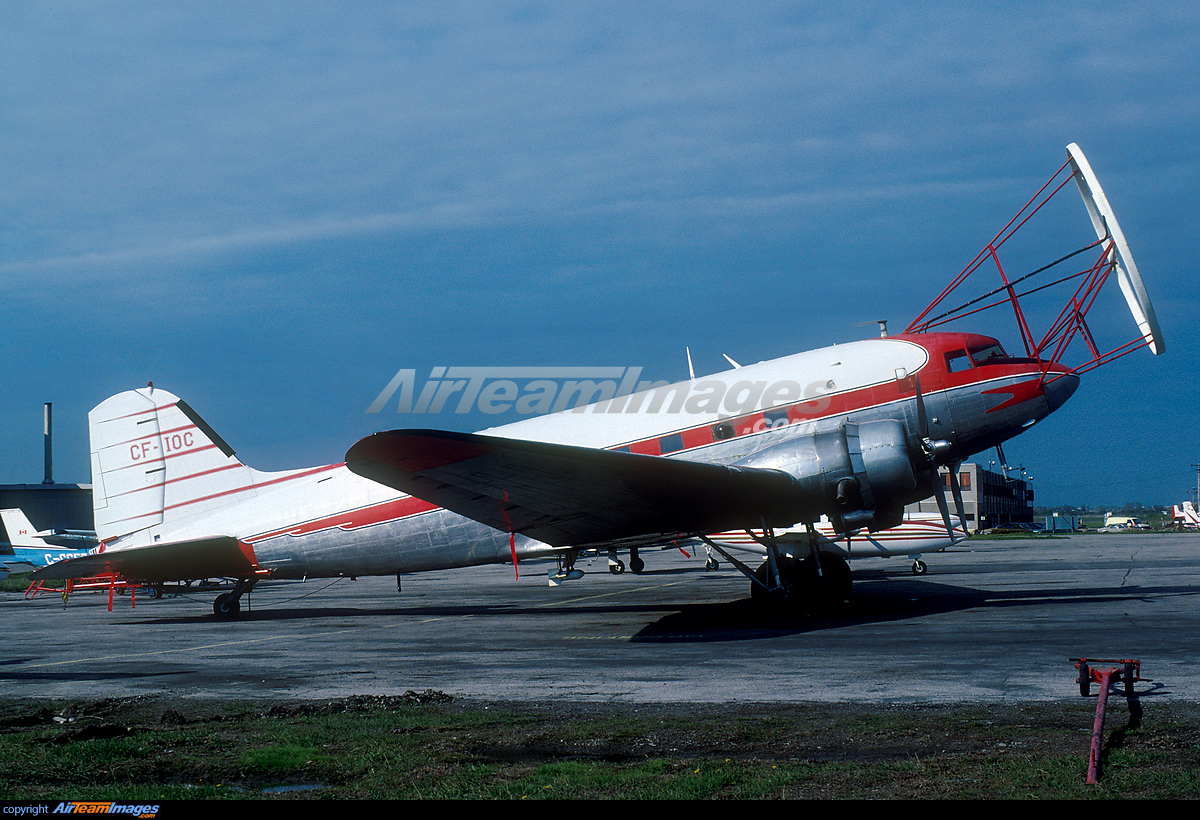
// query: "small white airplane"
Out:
[852,432]
[32,548]
[1186,516]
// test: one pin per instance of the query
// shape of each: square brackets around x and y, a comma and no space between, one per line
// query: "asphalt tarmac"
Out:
[992,621]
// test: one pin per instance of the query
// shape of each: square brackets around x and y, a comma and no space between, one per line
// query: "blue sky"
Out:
[270,209]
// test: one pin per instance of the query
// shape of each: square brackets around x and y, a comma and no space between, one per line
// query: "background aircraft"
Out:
[33,549]
[852,432]
[1185,516]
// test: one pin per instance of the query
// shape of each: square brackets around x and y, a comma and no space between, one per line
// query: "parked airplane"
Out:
[1185,516]
[33,548]
[853,432]
[916,535]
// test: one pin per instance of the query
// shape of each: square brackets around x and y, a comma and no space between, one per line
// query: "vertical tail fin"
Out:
[155,463]
[20,532]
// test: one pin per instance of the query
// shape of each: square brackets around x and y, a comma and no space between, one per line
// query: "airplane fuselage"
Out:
[328,521]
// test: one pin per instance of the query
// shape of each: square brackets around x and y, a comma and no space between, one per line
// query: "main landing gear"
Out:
[228,605]
[817,583]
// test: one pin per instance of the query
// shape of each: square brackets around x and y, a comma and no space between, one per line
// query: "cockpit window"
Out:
[958,361]
[988,354]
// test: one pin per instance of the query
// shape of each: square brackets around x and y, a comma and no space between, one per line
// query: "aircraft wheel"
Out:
[617,568]
[156,592]
[637,565]
[919,568]
[226,607]
[758,594]
[711,565]
[832,586]
[791,591]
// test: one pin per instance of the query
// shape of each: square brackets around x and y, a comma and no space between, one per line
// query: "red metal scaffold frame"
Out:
[1071,320]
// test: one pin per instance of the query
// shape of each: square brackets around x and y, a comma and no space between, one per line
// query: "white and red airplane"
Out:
[852,432]
[1185,516]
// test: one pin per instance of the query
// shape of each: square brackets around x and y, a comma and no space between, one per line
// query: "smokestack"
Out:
[49,446]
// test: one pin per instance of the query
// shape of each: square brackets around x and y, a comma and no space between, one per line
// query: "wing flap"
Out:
[218,557]
[570,496]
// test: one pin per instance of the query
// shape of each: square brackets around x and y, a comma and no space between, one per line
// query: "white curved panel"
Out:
[1105,223]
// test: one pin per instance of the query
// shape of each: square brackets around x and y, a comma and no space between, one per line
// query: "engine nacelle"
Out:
[857,474]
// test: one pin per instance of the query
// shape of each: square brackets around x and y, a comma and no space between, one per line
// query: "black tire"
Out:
[637,565]
[1127,676]
[757,592]
[617,567]
[787,593]
[227,607]
[827,590]
[1085,680]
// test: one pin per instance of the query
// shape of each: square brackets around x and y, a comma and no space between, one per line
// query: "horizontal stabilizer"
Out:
[571,496]
[219,557]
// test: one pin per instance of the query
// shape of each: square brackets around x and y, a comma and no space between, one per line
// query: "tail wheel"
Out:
[227,606]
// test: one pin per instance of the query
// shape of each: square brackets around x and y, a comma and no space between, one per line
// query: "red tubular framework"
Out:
[1071,320]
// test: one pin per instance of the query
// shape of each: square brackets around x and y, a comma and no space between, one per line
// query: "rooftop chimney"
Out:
[49,448]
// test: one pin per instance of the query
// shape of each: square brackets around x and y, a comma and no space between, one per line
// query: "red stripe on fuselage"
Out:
[393,510]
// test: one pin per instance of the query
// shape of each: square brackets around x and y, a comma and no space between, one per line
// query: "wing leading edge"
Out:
[572,496]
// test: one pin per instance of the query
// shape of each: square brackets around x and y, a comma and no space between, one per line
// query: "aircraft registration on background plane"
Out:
[635,472]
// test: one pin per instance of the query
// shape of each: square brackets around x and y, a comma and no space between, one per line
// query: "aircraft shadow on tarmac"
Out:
[891,601]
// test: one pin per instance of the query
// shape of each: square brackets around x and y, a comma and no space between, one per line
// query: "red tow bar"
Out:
[1128,672]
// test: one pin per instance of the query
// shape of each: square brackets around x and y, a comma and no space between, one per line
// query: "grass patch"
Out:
[423,746]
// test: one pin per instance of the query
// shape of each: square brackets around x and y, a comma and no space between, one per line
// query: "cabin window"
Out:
[722,431]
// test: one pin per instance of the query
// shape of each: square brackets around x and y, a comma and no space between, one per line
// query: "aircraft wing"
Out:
[219,557]
[15,567]
[571,496]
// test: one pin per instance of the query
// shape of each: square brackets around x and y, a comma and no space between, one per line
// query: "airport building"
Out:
[989,499]
[57,506]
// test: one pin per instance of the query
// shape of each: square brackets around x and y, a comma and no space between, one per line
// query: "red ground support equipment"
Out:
[1128,672]
[109,581]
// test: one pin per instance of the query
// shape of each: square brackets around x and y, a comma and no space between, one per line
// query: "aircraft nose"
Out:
[1061,389]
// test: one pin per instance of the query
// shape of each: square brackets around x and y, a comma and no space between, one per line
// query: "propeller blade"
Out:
[958,500]
[922,419]
[941,502]
[939,485]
